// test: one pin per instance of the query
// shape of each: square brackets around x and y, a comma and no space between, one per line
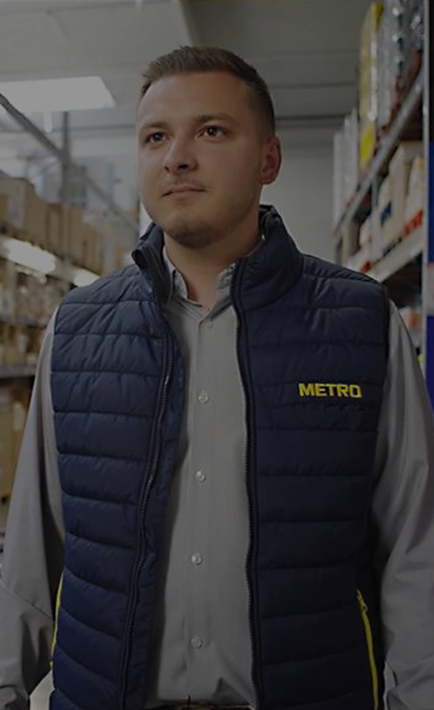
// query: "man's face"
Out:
[202,131]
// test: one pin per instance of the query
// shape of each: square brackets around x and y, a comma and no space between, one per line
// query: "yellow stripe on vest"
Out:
[369,640]
[56,618]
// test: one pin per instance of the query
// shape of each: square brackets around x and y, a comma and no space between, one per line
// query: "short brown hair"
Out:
[187,60]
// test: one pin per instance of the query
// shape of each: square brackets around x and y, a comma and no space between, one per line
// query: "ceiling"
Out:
[306,50]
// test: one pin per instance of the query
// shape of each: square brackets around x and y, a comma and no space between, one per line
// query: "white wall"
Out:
[303,193]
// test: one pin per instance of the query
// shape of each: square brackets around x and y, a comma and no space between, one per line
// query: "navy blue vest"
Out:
[312,351]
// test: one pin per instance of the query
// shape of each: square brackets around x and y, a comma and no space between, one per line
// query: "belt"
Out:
[202,706]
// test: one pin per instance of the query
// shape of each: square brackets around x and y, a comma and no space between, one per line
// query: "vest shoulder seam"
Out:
[311,613]
[317,428]
[98,542]
[317,658]
[334,521]
[69,571]
[103,414]
[109,372]
[329,565]
[98,500]
[87,626]
[64,695]
[86,670]
[117,334]
[317,475]
[102,456]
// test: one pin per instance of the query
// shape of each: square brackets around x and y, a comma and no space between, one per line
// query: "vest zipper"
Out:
[144,498]
[251,494]
[56,618]
[370,643]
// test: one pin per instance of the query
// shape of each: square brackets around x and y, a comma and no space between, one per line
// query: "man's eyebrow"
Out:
[198,120]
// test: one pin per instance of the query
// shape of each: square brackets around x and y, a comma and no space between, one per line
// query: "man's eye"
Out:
[214,130]
[154,137]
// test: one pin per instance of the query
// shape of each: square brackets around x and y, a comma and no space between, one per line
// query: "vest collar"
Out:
[260,278]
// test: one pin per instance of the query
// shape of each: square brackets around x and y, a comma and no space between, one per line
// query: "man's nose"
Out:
[180,157]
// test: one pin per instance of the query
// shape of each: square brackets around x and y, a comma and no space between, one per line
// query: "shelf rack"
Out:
[25,254]
[11,372]
[404,252]
[407,110]
[420,243]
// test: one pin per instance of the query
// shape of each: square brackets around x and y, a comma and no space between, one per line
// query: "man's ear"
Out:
[271,160]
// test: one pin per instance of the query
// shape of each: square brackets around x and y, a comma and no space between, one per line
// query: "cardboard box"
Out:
[6,443]
[36,221]
[19,193]
[3,208]
[75,235]
[399,170]
[57,229]
[7,344]
[25,210]
[8,281]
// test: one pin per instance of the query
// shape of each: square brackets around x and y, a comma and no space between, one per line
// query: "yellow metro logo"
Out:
[317,389]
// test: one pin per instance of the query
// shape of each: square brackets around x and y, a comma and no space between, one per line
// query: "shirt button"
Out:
[196,642]
[197,559]
[207,323]
[203,397]
[200,476]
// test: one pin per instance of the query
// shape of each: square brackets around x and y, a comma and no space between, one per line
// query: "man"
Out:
[244,445]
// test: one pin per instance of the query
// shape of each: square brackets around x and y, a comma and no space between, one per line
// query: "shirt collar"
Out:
[178,285]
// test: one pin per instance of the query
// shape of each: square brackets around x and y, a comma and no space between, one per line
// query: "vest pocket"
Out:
[56,618]
[368,632]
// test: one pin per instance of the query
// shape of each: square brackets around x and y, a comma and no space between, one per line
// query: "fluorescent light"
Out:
[27,255]
[42,95]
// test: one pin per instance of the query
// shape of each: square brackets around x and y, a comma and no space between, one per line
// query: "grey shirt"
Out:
[201,642]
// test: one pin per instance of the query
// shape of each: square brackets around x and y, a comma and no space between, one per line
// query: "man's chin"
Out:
[190,233]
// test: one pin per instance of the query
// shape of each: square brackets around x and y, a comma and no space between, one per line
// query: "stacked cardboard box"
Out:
[399,170]
[60,229]
[385,213]
[25,212]
[25,294]
[415,198]
[6,442]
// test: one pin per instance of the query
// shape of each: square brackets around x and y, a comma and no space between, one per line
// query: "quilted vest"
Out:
[312,352]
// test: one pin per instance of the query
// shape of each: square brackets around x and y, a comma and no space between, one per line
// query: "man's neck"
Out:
[201,267]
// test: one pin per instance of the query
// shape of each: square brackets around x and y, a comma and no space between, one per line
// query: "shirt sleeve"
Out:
[33,554]
[403,521]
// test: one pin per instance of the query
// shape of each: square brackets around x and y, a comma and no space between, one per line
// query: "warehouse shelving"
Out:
[14,247]
[25,254]
[390,140]
[11,372]
[411,258]
[400,255]
[22,320]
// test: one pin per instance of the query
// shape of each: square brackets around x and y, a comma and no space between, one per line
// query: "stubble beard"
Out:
[196,234]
